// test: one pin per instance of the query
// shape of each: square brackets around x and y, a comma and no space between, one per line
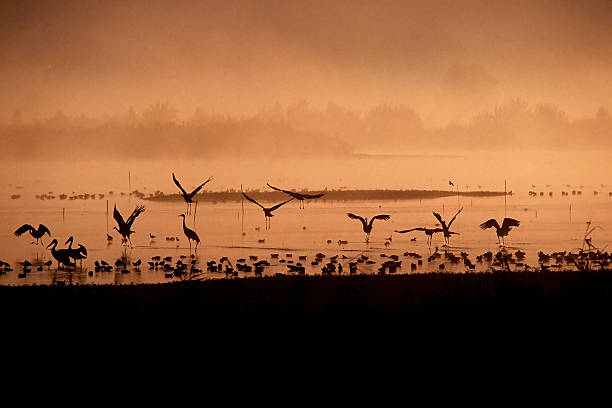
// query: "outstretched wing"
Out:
[453,219]
[311,196]
[280,189]
[194,192]
[23,229]
[412,229]
[178,184]
[44,229]
[118,217]
[439,218]
[251,200]
[279,205]
[137,211]
[510,222]
[382,217]
[356,217]
[490,223]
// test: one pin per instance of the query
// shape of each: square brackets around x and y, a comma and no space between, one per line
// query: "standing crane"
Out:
[190,234]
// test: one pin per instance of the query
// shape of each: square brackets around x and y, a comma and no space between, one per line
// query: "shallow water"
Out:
[545,221]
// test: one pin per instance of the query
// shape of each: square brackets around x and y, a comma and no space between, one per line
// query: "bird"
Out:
[62,256]
[301,197]
[428,231]
[78,254]
[450,183]
[446,228]
[367,228]
[109,238]
[152,236]
[190,234]
[267,211]
[36,233]
[502,231]
[125,228]
[137,264]
[188,197]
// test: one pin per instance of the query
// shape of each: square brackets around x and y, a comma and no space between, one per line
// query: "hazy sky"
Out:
[447,59]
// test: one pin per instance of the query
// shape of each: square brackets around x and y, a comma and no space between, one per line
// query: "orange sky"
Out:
[447,59]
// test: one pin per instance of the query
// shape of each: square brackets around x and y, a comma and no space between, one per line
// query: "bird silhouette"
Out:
[36,233]
[428,231]
[301,197]
[450,183]
[367,227]
[190,234]
[62,256]
[446,228]
[125,228]
[502,231]
[188,197]
[78,254]
[267,211]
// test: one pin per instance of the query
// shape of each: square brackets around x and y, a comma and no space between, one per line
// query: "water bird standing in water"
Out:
[446,228]
[428,231]
[301,197]
[38,234]
[267,211]
[367,227]
[125,228]
[502,231]
[78,254]
[188,197]
[62,256]
[190,234]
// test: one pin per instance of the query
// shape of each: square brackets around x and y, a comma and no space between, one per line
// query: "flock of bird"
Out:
[69,256]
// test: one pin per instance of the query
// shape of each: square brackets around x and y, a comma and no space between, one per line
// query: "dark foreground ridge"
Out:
[330,195]
[282,303]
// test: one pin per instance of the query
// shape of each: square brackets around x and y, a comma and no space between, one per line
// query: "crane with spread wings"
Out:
[188,197]
[428,231]
[502,231]
[267,211]
[446,228]
[36,233]
[367,227]
[125,227]
[301,197]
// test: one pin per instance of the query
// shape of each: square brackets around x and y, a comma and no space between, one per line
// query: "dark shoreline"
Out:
[330,195]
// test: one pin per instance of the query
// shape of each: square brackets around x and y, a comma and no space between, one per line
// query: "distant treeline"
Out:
[330,195]
[299,129]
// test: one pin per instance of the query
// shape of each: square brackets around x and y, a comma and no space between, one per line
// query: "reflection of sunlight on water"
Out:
[545,225]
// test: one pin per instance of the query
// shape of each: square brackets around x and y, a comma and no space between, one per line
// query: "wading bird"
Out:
[267,211]
[301,197]
[78,254]
[38,234]
[502,231]
[367,228]
[125,228]
[188,197]
[446,228]
[428,231]
[62,256]
[190,234]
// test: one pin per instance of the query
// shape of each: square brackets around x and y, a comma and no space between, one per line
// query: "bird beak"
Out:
[49,246]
